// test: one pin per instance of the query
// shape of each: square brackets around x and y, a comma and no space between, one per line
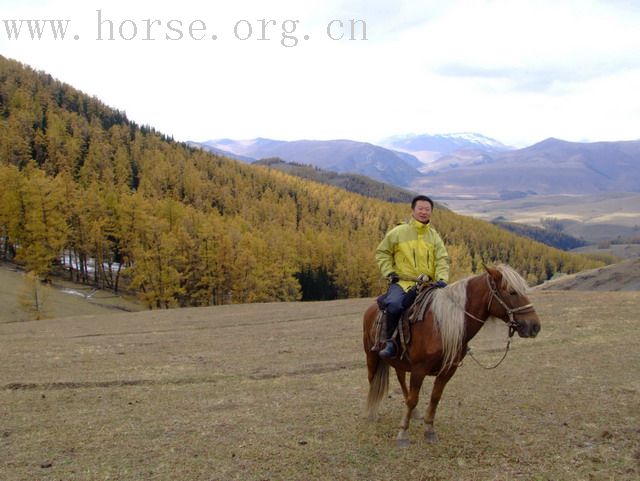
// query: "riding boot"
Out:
[389,350]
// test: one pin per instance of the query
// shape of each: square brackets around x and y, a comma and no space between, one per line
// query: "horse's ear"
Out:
[495,273]
[489,269]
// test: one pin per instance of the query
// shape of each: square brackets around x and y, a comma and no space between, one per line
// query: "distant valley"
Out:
[592,217]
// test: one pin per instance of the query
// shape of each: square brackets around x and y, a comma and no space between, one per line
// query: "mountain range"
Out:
[552,166]
[461,164]
[343,156]
[398,160]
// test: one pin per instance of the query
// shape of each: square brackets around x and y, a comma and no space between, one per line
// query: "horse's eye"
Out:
[512,293]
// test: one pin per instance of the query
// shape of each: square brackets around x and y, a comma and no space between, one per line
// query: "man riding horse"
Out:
[408,251]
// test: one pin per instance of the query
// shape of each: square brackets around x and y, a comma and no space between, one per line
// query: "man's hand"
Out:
[440,284]
[393,278]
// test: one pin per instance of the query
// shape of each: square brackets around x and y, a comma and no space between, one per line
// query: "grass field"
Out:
[277,392]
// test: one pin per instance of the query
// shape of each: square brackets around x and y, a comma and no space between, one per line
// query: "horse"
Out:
[439,341]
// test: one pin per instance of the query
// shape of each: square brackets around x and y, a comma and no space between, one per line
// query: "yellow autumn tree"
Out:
[32,297]
[45,227]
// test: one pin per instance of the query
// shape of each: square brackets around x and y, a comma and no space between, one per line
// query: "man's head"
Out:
[421,208]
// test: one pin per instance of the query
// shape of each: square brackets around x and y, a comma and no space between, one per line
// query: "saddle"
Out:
[413,314]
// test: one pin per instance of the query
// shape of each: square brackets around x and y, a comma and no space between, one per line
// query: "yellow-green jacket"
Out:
[412,249]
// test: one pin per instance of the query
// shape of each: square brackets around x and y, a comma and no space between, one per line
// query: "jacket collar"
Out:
[419,225]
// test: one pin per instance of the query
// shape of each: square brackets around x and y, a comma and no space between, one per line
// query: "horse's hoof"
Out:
[403,443]
[431,437]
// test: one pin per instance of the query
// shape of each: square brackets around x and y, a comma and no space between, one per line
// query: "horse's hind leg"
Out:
[436,393]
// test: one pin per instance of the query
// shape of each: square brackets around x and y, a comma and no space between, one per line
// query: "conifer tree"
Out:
[45,228]
[32,297]
[12,209]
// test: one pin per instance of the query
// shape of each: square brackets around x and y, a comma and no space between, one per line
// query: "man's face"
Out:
[422,211]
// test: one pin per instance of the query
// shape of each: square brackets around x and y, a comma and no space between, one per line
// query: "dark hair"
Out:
[415,200]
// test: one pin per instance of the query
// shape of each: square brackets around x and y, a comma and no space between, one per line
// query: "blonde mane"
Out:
[448,310]
[512,280]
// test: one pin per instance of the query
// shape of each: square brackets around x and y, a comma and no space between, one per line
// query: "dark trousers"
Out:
[395,302]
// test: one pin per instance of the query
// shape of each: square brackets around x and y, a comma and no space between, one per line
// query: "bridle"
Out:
[511,322]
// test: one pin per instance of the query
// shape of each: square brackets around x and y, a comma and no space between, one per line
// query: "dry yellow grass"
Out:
[276,392]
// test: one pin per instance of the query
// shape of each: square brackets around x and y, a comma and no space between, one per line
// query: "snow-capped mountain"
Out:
[428,147]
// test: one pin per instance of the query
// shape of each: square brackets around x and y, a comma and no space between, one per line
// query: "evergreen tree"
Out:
[32,297]
[44,233]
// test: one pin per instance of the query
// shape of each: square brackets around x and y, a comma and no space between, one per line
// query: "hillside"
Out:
[620,250]
[358,184]
[549,237]
[623,276]
[94,197]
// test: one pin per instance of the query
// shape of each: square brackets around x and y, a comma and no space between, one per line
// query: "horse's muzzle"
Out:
[528,328]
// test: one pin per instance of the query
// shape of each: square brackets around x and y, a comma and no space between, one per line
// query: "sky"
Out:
[517,71]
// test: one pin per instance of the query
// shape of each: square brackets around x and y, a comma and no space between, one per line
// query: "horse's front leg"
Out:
[402,380]
[405,391]
[415,383]
[436,393]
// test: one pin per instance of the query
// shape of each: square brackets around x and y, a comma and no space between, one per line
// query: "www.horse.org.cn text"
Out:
[108,28]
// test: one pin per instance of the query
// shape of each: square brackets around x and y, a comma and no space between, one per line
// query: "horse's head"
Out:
[509,301]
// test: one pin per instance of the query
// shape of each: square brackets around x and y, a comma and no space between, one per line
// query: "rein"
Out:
[506,350]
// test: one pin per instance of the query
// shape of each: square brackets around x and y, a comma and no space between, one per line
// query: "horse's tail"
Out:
[378,388]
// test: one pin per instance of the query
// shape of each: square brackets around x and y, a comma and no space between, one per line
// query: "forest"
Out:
[92,196]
